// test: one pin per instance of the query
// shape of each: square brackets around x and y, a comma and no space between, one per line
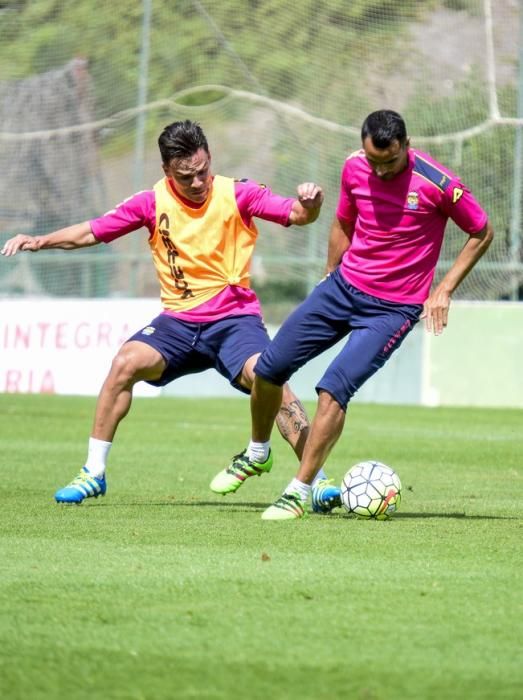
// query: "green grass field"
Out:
[164,590]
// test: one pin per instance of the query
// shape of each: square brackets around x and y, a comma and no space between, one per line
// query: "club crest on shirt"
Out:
[412,200]
[148,330]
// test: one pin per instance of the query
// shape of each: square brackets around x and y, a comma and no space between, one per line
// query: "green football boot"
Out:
[241,468]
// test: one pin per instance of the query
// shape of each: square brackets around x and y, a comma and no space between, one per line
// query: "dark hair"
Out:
[181,140]
[384,127]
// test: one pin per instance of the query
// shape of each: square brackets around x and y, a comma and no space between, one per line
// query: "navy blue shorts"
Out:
[333,310]
[188,348]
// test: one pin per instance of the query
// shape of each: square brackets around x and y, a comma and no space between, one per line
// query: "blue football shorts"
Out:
[333,310]
[188,348]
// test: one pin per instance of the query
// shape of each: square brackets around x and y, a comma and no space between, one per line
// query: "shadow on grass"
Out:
[243,506]
[237,505]
[454,515]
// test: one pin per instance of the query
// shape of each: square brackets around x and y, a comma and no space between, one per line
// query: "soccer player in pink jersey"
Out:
[202,236]
[384,244]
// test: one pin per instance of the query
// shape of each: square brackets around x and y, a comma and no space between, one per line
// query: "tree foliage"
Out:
[268,46]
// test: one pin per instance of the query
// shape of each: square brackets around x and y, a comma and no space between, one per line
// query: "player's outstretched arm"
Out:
[75,236]
[306,208]
[436,308]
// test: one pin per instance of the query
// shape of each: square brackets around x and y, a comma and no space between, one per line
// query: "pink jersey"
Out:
[253,200]
[399,225]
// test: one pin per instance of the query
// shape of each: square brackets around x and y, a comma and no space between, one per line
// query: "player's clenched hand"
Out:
[20,242]
[436,311]
[310,195]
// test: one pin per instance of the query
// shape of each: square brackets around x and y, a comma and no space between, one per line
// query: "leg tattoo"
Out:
[292,422]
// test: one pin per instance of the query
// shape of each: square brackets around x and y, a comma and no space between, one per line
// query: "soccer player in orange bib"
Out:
[202,236]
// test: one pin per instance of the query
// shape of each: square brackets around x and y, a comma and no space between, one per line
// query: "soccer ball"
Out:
[371,490]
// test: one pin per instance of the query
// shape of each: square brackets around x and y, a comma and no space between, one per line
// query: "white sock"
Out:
[299,487]
[258,451]
[97,456]
[320,475]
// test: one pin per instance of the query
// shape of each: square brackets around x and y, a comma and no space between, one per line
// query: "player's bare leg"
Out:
[292,421]
[269,403]
[257,458]
[134,362]
[325,431]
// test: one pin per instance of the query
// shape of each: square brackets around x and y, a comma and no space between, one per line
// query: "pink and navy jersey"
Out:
[399,224]
[140,211]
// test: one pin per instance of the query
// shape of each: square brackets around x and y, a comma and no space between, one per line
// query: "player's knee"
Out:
[135,362]
[246,376]
[332,399]
[124,367]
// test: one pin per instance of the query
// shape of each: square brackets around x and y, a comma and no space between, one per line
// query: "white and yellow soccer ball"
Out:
[371,490]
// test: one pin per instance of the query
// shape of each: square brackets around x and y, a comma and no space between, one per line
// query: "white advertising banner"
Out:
[66,346]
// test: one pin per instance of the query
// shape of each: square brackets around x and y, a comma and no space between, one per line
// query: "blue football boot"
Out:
[325,496]
[83,486]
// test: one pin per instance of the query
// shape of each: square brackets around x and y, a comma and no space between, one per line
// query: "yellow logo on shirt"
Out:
[457,194]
